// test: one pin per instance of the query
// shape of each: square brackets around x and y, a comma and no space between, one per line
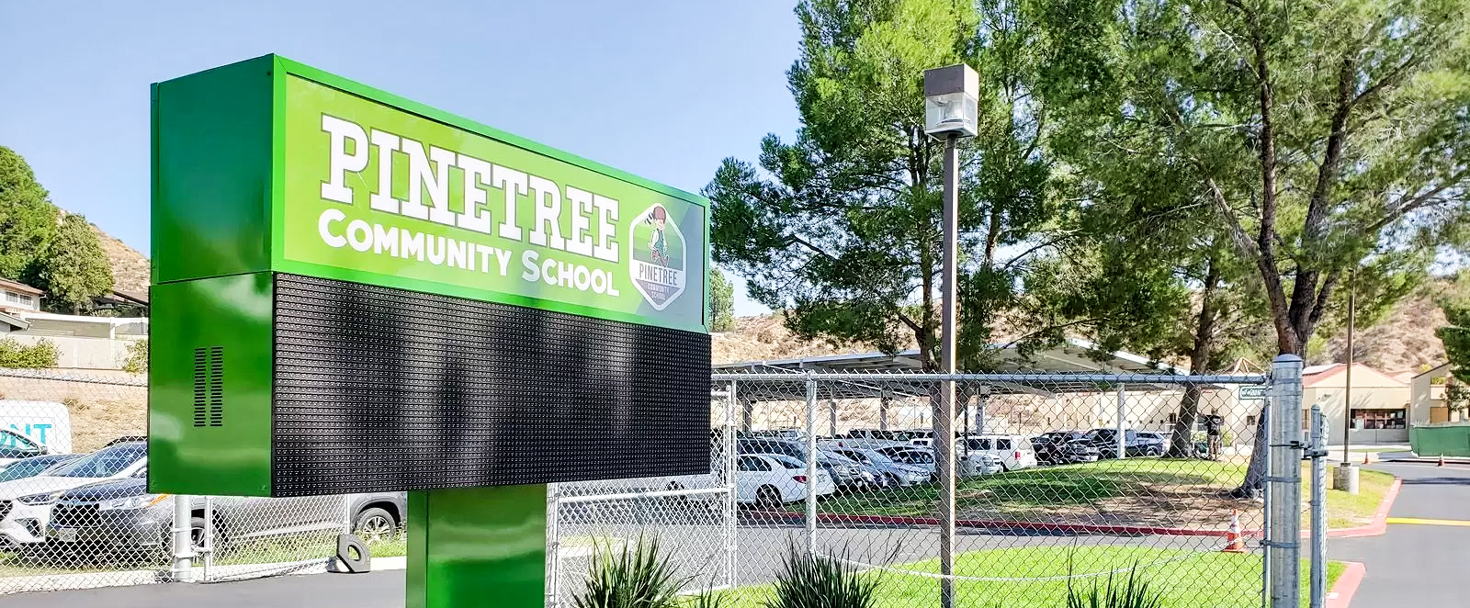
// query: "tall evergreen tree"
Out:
[72,268]
[27,217]
[721,302]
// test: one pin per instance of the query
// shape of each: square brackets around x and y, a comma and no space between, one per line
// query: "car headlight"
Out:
[36,500]
[131,503]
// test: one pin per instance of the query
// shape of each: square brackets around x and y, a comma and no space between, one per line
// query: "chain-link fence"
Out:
[1062,481]
[75,511]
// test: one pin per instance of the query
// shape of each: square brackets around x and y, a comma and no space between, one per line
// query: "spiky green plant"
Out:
[821,581]
[1132,592]
[638,578]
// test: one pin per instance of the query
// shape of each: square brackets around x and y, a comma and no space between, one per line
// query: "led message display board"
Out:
[355,292]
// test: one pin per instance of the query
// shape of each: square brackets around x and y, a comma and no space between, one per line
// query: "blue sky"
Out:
[661,89]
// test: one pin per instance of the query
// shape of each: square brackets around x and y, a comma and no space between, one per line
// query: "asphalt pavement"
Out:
[1420,563]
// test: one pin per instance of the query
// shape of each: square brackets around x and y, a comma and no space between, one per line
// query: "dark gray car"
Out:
[121,516]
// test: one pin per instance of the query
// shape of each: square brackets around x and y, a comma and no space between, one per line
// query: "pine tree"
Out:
[72,268]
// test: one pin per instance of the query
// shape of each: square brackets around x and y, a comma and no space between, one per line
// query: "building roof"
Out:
[1074,357]
[1441,368]
[1317,374]
[20,287]
[16,323]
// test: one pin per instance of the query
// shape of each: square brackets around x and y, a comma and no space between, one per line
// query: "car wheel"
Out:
[196,538]
[375,525]
[890,480]
[768,497]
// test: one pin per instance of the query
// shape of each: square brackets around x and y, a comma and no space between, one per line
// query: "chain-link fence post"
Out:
[183,543]
[1122,426]
[811,465]
[209,532]
[1319,508]
[553,545]
[1284,478]
[731,505]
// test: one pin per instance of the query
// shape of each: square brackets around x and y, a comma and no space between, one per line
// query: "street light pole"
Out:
[944,438]
[949,111]
[1347,391]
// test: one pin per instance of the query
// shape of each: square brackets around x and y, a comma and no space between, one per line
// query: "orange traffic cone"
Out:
[1365,458]
[1234,543]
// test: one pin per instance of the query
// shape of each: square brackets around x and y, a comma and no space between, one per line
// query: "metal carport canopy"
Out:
[1076,366]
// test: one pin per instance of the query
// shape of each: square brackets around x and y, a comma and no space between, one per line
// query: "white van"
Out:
[1012,451]
[45,423]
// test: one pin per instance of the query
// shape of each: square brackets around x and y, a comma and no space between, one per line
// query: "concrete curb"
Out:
[1341,594]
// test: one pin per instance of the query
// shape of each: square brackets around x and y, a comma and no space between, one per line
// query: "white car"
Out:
[25,504]
[771,480]
[1013,452]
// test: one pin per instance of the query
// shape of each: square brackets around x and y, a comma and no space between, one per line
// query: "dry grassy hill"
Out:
[1403,339]
[130,269]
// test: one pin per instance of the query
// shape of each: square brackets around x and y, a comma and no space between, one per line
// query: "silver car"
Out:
[122,517]
[896,474]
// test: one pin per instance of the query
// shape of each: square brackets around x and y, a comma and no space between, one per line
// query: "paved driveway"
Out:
[1417,564]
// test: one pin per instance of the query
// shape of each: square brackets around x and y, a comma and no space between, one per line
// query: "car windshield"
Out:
[29,467]
[877,458]
[787,461]
[105,462]
[12,439]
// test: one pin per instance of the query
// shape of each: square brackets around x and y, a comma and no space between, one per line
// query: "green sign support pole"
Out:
[354,292]
[477,547]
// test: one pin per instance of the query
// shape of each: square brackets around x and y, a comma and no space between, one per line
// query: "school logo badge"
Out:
[656,257]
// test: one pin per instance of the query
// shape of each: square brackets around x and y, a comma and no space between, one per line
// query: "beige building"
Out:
[1380,403]
[1427,397]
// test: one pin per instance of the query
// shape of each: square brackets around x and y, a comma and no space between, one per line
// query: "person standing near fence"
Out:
[1213,426]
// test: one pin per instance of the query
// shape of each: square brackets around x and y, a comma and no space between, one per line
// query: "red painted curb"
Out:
[1341,594]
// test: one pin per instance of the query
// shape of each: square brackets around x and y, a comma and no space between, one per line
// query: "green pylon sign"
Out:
[353,292]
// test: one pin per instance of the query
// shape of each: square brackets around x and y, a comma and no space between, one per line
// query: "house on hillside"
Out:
[83,342]
[18,299]
[1379,412]
[1427,399]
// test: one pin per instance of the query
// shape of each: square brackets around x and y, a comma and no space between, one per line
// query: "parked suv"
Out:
[1011,451]
[1063,447]
[25,504]
[1106,442]
[122,517]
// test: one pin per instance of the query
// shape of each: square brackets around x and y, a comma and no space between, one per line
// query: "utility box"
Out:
[359,293]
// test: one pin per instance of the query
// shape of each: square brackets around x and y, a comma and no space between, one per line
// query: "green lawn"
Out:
[1037,490]
[1345,510]
[1040,494]
[1185,579]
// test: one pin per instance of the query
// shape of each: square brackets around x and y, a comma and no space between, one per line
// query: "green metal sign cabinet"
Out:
[354,292]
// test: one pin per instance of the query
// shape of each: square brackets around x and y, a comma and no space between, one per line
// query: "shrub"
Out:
[1132,592]
[821,581]
[136,361]
[43,353]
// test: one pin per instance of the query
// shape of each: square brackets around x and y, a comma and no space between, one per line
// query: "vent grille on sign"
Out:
[209,386]
[380,389]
